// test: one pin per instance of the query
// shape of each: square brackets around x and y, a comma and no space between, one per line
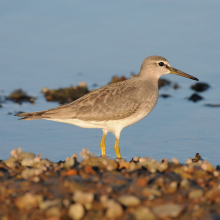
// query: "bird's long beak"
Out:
[180,73]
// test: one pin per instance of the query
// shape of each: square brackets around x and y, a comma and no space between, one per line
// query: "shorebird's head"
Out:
[157,66]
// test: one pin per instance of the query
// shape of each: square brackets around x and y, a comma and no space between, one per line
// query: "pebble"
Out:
[49,203]
[162,167]
[213,195]
[144,213]
[76,211]
[53,211]
[196,193]
[114,209]
[26,173]
[207,166]
[175,160]
[69,162]
[83,197]
[172,188]
[129,200]
[28,201]
[28,162]
[149,191]
[185,184]
[168,210]
[85,154]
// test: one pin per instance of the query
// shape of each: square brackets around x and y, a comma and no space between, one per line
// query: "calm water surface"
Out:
[57,44]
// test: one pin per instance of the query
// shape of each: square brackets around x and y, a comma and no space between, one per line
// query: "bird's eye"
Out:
[161,63]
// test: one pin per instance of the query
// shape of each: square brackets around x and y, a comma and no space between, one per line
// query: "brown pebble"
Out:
[71,172]
[149,191]
[123,164]
[83,197]
[213,195]
[168,210]
[28,201]
[142,181]
[196,193]
[144,213]
[129,200]
[89,170]
[114,209]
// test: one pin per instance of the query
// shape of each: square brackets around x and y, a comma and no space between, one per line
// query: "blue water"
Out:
[57,44]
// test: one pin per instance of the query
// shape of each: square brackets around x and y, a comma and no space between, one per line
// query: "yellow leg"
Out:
[117,149]
[102,145]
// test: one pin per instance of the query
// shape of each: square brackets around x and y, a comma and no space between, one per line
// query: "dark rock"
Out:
[200,87]
[165,96]
[195,97]
[163,82]
[218,167]
[214,217]
[65,95]
[116,79]
[175,86]
[20,96]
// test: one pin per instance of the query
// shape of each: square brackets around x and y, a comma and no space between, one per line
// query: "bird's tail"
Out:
[31,115]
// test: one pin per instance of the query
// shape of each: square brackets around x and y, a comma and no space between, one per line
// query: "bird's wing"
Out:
[106,103]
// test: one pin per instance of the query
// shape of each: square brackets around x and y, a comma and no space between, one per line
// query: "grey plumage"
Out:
[116,106]
[112,102]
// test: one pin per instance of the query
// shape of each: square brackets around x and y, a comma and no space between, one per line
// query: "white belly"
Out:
[110,125]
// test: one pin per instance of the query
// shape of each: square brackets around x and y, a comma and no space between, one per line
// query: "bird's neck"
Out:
[149,77]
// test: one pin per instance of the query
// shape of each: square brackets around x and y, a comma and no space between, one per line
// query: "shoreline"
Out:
[103,188]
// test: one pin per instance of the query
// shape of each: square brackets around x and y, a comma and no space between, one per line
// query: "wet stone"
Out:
[65,95]
[20,96]
[165,96]
[195,97]
[200,87]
